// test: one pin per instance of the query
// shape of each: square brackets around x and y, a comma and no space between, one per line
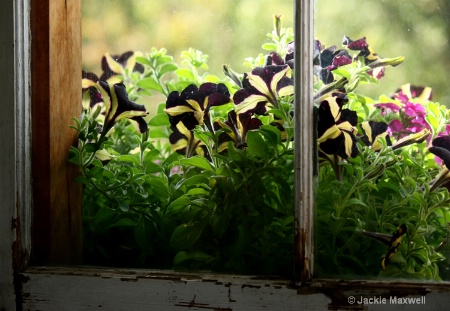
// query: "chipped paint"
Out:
[201,291]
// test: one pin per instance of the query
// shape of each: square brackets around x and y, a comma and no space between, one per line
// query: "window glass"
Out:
[382,203]
[208,184]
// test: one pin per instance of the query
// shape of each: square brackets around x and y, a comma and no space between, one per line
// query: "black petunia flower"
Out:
[373,131]
[336,127]
[118,106]
[441,148]
[183,141]
[328,59]
[237,127]
[93,95]
[370,57]
[192,105]
[113,65]
[264,85]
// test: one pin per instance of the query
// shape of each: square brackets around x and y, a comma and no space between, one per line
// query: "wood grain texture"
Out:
[304,125]
[7,155]
[56,98]
[84,288]
[99,289]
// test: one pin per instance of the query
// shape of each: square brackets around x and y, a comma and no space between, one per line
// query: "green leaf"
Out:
[159,120]
[143,61]
[172,158]
[151,168]
[163,59]
[128,158]
[151,155]
[355,201]
[167,68]
[157,186]
[186,235]
[235,154]
[150,84]
[90,147]
[270,46]
[123,206]
[158,132]
[184,256]
[185,73]
[272,134]
[199,162]
[198,179]
[198,191]
[178,204]
[95,172]
[74,155]
[123,222]
[256,144]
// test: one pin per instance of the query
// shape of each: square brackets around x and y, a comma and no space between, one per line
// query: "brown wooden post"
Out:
[56,98]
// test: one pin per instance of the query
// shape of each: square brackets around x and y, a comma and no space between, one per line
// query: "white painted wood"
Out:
[14,152]
[304,139]
[23,132]
[110,289]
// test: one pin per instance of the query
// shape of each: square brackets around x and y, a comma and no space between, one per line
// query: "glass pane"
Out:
[382,205]
[209,183]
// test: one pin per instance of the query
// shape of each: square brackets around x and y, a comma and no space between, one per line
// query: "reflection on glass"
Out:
[186,164]
[382,206]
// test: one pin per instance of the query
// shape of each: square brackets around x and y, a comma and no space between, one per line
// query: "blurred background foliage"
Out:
[418,30]
[231,30]
[226,30]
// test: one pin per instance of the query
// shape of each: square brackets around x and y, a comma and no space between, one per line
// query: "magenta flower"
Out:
[395,126]
[412,109]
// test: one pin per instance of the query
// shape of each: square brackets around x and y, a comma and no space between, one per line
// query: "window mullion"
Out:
[304,142]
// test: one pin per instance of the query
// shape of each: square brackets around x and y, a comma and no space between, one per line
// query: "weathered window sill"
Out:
[88,288]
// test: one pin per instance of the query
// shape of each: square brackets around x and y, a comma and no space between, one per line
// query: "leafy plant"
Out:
[205,180]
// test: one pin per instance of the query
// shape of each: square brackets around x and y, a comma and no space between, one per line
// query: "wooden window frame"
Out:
[41,89]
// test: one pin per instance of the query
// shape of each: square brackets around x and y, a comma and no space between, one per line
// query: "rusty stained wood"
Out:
[56,98]
[82,288]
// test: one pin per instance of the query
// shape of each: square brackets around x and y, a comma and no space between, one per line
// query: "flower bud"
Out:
[412,139]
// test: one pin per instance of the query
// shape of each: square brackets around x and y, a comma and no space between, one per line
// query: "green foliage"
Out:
[210,184]
[145,205]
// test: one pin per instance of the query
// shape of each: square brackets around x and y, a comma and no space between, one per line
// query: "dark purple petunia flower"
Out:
[109,69]
[238,126]
[336,127]
[192,105]
[264,85]
[94,95]
[441,148]
[365,51]
[326,60]
[183,141]
[373,131]
[120,107]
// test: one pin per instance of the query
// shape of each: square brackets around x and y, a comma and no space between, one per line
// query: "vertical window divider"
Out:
[303,141]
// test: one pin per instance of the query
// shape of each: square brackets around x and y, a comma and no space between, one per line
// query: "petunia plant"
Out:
[187,170]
